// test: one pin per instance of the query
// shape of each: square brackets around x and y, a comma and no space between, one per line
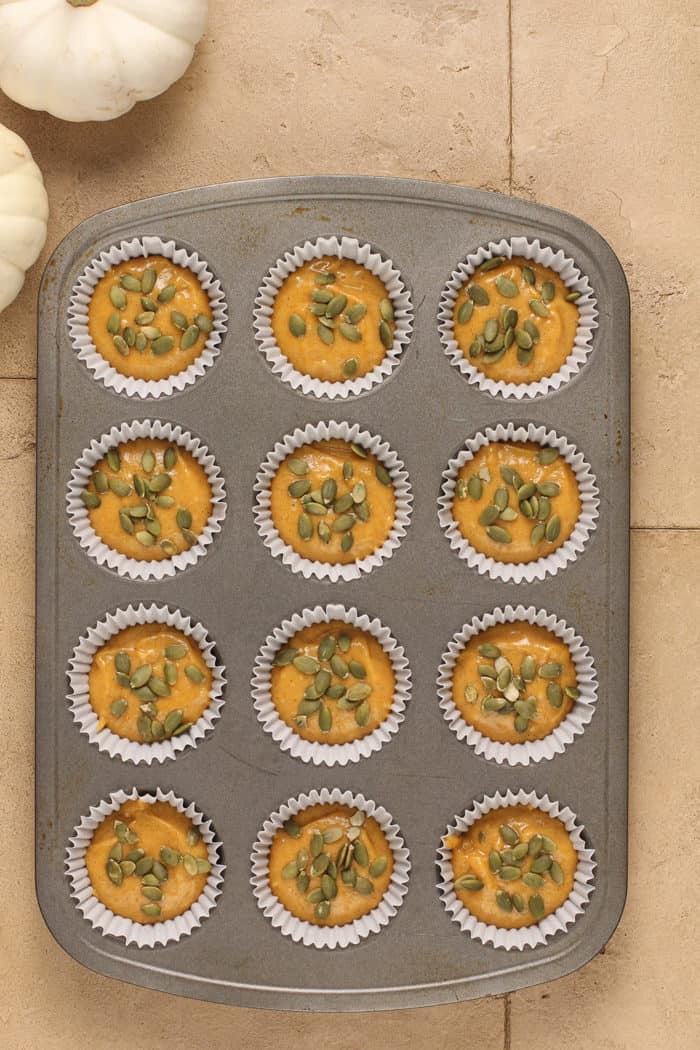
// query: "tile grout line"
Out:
[510,97]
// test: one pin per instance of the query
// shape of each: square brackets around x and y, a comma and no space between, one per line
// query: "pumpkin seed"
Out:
[528,275]
[503,900]
[363,886]
[117,297]
[557,873]
[325,719]
[328,887]
[378,867]
[538,307]
[292,828]
[322,910]
[167,294]
[90,499]
[151,332]
[290,870]
[189,337]
[509,872]
[478,295]
[465,312]
[120,345]
[129,336]
[541,863]
[523,339]
[572,692]
[113,323]
[356,313]
[343,522]
[553,527]
[350,367]
[320,862]
[350,331]
[114,872]
[339,666]
[170,672]
[518,902]
[162,345]
[143,725]
[469,882]
[297,489]
[141,676]
[297,326]
[143,865]
[532,880]
[336,305]
[158,686]
[346,541]
[489,515]
[145,318]
[357,670]
[536,906]
[298,466]
[361,854]
[386,335]
[548,291]
[194,674]
[359,692]
[506,287]
[172,720]
[499,534]
[491,330]
[550,670]
[555,694]
[168,547]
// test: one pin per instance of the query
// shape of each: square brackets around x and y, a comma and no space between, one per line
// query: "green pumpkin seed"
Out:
[386,335]
[538,307]
[509,872]
[346,541]
[189,863]
[494,861]
[169,458]
[521,724]
[503,900]
[499,534]
[336,305]
[145,318]
[114,323]
[189,338]
[548,844]
[317,509]
[478,295]
[357,670]
[90,499]
[117,297]
[120,345]
[298,466]
[178,319]
[356,313]
[557,873]
[167,294]
[509,835]
[350,331]
[322,910]
[343,523]
[536,906]
[572,692]
[299,488]
[469,882]
[290,870]
[194,674]
[144,866]
[547,455]
[532,880]
[320,863]
[328,887]
[476,347]
[493,263]
[172,720]
[339,666]
[537,534]
[528,275]
[541,863]
[151,332]
[550,670]
[528,668]
[361,854]
[175,652]
[523,339]
[506,287]
[378,867]
[465,312]
[297,326]
[555,694]
[325,719]
[386,310]
[489,515]
[548,291]
[141,676]
[158,686]
[114,872]
[475,487]
[518,902]
[363,886]
[170,672]
[491,330]
[306,664]
[163,345]
[119,487]
[552,529]
[548,488]
[143,725]
[292,828]
[359,692]
[350,367]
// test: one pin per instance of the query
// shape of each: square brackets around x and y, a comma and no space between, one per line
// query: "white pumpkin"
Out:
[24,211]
[94,59]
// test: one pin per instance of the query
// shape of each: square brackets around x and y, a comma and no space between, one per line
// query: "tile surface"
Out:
[601,126]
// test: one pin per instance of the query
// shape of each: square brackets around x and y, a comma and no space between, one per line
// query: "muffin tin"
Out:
[423,594]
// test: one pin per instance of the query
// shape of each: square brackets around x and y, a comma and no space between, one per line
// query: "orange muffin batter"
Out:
[333,502]
[148,499]
[149,682]
[147,862]
[513,866]
[149,318]
[332,683]
[514,682]
[516,501]
[333,319]
[515,320]
[330,865]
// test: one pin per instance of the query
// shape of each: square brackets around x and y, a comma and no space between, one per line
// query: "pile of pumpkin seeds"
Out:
[507,330]
[149,688]
[530,862]
[141,519]
[123,863]
[144,333]
[337,505]
[334,317]
[333,676]
[533,500]
[505,689]
[316,871]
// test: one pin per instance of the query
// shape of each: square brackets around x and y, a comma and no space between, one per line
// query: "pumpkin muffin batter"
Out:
[330,865]
[147,862]
[149,682]
[332,683]
[515,320]
[513,867]
[149,318]
[148,499]
[333,319]
[514,682]
[516,501]
[333,502]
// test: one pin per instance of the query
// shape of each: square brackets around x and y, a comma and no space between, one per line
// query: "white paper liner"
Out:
[571,276]
[329,936]
[525,936]
[521,572]
[313,751]
[139,248]
[342,248]
[352,433]
[80,519]
[144,935]
[529,750]
[79,696]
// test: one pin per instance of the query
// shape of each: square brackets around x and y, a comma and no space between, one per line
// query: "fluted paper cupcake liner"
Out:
[79,518]
[571,276]
[329,936]
[351,433]
[143,935]
[315,751]
[139,248]
[342,248]
[529,750]
[524,936]
[85,715]
[521,572]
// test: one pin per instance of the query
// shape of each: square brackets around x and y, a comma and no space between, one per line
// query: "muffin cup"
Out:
[79,518]
[82,293]
[525,936]
[521,572]
[529,750]
[79,668]
[571,276]
[333,571]
[144,935]
[314,751]
[342,248]
[329,936]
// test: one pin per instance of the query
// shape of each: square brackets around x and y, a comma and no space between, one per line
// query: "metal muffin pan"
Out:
[424,593]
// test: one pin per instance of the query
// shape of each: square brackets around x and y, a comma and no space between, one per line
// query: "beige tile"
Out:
[604,127]
[642,991]
[50,1002]
[287,89]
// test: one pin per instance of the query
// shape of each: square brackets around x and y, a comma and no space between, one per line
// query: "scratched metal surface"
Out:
[424,593]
